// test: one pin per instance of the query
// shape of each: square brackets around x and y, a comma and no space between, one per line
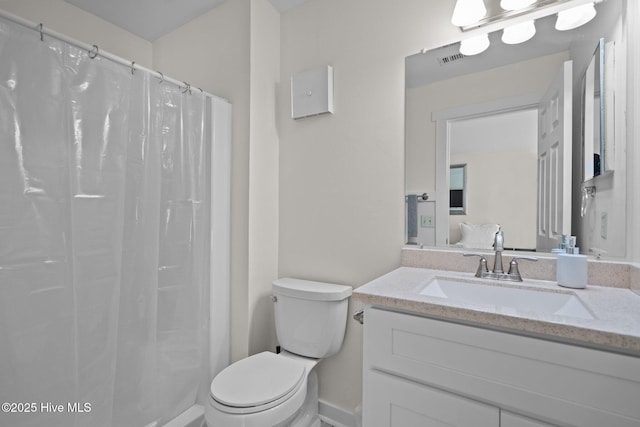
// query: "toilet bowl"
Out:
[265,389]
[281,390]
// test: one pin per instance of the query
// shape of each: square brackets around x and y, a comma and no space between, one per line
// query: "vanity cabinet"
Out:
[425,372]
[508,419]
[397,402]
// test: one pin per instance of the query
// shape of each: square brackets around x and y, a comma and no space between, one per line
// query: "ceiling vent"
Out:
[445,60]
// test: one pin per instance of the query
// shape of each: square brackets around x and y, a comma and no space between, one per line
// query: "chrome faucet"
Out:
[498,246]
[513,275]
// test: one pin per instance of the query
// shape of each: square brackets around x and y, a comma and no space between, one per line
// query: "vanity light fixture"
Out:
[519,33]
[474,45]
[575,17]
[515,4]
[517,21]
[467,12]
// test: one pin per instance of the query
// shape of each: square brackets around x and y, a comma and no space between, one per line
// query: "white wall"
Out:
[69,20]
[342,175]
[263,173]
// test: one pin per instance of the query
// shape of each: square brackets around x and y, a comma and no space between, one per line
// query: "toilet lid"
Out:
[256,380]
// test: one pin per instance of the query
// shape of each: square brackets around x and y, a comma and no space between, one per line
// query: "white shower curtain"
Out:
[104,238]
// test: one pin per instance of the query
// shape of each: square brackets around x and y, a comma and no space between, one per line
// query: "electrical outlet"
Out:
[603,225]
[427,221]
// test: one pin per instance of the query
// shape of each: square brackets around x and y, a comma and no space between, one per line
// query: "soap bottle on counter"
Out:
[562,245]
[572,268]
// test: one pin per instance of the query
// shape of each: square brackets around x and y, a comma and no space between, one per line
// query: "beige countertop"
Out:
[616,326]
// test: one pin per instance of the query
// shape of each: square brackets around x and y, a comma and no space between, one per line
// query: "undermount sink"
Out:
[543,302]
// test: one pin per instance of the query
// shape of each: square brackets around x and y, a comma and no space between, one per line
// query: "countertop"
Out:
[617,311]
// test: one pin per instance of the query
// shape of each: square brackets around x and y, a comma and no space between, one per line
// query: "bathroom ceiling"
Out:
[151,19]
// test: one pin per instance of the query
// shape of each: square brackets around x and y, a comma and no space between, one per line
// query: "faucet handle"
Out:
[513,266]
[482,265]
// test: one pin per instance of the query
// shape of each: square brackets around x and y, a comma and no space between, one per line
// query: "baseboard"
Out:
[335,416]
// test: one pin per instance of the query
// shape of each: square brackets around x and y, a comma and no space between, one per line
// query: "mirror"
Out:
[446,91]
[593,123]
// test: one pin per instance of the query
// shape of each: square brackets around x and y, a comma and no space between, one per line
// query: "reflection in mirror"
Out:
[445,89]
[593,114]
[494,147]
[458,189]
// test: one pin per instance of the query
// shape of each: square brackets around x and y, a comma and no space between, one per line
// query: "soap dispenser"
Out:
[572,268]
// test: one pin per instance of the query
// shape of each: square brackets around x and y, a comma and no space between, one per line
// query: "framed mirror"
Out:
[443,88]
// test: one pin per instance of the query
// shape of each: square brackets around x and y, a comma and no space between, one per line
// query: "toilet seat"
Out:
[257,383]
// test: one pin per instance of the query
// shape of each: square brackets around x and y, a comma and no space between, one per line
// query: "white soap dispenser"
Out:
[572,268]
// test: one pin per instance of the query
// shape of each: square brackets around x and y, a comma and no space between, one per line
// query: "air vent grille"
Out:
[445,60]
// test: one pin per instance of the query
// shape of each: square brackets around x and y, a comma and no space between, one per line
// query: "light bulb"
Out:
[519,33]
[474,45]
[515,4]
[575,17]
[467,12]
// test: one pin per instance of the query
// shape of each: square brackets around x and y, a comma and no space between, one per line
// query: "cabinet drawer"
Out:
[546,380]
[396,402]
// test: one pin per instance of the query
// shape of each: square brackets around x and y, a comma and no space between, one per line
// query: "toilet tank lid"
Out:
[310,290]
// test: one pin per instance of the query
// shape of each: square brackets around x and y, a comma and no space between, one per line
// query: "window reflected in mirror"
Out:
[458,190]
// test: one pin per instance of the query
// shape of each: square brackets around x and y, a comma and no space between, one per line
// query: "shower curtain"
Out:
[104,238]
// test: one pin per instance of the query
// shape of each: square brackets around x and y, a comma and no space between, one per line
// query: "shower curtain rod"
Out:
[94,51]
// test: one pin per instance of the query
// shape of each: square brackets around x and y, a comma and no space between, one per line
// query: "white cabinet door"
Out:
[395,402]
[507,419]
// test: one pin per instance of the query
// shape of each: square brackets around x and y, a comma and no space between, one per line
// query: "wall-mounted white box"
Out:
[312,92]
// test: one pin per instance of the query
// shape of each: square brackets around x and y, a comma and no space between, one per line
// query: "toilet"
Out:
[278,390]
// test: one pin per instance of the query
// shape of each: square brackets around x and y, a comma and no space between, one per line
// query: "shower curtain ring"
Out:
[161,77]
[41,29]
[93,53]
[187,88]
[133,67]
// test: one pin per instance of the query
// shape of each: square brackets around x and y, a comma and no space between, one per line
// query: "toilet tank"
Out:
[310,317]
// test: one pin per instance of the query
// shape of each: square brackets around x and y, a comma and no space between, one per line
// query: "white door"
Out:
[554,161]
